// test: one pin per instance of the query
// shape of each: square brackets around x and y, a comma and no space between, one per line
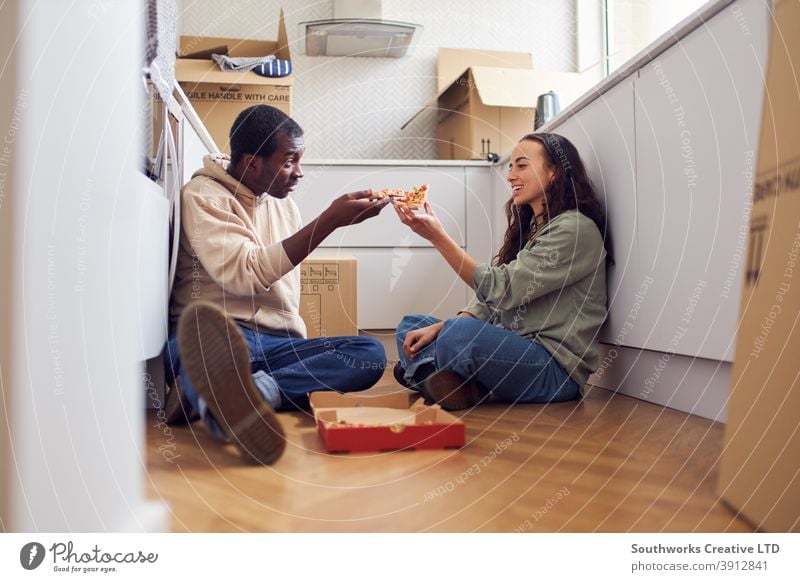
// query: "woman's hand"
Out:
[425,225]
[419,338]
[428,227]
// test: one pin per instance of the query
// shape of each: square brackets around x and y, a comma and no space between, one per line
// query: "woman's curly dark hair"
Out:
[571,189]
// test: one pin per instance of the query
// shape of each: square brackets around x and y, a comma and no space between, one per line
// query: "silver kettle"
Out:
[547,107]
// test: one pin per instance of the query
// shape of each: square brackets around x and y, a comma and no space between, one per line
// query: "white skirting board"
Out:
[695,385]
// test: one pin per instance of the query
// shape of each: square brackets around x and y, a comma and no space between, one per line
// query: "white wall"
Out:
[353,108]
[70,381]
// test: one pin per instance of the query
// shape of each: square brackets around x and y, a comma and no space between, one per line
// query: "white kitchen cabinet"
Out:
[670,141]
[698,107]
[151,261]
[323,183]
[604,134]
[480,214]
[398,271]
[397,281]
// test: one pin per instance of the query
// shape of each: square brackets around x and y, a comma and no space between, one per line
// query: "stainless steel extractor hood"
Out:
[357,30]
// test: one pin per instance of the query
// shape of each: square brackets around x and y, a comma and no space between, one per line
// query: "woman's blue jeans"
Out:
[286,369]
[512,368]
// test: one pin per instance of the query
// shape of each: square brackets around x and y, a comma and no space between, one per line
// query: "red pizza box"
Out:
[363,422]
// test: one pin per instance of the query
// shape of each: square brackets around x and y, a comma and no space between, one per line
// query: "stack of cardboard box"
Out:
[486,100]
[219,96]
[760,468]
[328,296]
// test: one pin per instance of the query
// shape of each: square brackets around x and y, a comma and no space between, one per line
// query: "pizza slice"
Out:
[413,199]
[393,193]
[416,198]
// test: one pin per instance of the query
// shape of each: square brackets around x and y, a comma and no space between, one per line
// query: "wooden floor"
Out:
[609,463]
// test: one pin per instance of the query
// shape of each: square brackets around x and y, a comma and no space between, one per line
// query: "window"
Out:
[630,25]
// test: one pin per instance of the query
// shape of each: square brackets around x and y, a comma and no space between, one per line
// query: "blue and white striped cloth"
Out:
[267,66]
[274,68]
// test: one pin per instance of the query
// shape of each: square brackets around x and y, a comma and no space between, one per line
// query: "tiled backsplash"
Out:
[353,108]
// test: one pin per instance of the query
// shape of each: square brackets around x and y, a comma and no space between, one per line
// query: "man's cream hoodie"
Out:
[231,252]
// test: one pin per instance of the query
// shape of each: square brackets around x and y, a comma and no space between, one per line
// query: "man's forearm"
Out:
[299,245]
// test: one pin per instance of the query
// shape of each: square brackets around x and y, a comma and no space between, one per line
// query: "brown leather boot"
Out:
[217,360]
[399,374]
[452,392]
[177,408]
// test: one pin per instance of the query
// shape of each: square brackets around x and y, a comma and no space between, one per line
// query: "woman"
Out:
[531,335]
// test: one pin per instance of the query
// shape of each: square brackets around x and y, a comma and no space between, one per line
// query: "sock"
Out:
[268,387]
[423,371]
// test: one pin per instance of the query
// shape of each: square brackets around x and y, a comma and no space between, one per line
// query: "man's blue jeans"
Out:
[286,369]
[512,368]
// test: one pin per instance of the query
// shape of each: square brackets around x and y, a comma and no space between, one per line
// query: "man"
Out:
[239,352]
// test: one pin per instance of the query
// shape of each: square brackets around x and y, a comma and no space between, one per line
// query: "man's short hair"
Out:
[256,129]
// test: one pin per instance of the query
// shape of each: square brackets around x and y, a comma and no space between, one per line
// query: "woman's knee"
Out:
[461,330]
[455,339]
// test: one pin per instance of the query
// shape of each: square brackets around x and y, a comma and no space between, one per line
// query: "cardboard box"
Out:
[451,63]
[219,96]
[328,296]
[760,467]
[487,108]
[359,422]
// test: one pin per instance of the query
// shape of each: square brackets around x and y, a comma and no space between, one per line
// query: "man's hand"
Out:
[347,209]
[419,338]
[354,207]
